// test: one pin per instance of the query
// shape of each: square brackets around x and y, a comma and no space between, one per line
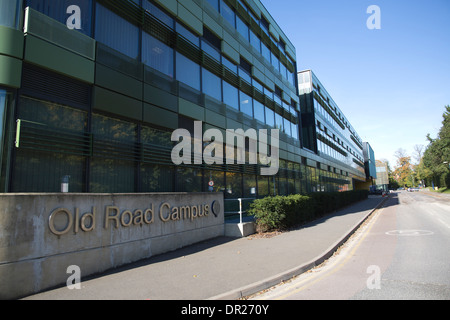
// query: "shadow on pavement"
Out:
[211,243]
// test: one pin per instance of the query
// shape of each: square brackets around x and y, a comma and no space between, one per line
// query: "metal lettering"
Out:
[51,221]
[115,217]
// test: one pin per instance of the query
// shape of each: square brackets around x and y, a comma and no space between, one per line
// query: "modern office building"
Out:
[91,91]
[327,132]
[369,161]
[382,181]
[370,165]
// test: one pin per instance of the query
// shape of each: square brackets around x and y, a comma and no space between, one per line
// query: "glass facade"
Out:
[328,132]
[6,107]
[155,72]
[39,167]
[11,13]
[58,10]
[116,32]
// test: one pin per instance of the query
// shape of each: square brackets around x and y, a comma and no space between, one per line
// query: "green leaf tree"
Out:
[437,155]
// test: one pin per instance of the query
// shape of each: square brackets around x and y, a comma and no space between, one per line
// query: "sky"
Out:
[392,83]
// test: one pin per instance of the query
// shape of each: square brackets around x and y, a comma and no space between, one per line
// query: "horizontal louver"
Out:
[126,9]
[189,50]
[116,150]
[34,136]
[155,154]
[43,84]
[43,138]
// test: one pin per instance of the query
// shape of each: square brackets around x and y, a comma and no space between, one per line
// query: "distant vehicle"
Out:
[374,190]
[413,189]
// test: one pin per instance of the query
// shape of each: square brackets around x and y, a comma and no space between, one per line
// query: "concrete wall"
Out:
[41,235]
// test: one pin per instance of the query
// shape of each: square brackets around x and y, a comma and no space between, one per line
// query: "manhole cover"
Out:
[409,233]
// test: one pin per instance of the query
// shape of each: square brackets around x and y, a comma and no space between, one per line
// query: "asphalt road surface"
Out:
[401,252]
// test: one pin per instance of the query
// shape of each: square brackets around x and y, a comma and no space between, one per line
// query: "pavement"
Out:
[224,268]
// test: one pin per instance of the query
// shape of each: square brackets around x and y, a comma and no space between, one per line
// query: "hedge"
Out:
[283,212]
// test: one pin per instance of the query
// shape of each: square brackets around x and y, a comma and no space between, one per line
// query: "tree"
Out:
[423,173]
[403,172]
[400,153]
[437,155]
[418,153]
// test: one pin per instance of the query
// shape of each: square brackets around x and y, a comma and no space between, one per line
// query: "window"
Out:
[265,51]
[158,13]
[41,163]
[294,131]
[211,85]
[156,177]
[51,114]
[242,28]
[275,61]
[116,32]
[265,25]
[212,39]
[270,117]
[218,177]
[214,3]
[291,77]
[114,142]
[279,122]
[227,13]
[10,12]
[157,55]
[278,92]
[243,5]
[230,95]
[281,45]
[247,67]
[268,93]
[234,185]
[230,65]
[57,9]
[189,179]
[283,71]
[255,41]
[263,186]
[6,98]
[188,71]
[211,50]
[246,104]
[194,39]
[287,126]
[258,111]
[249,186]
[277,95]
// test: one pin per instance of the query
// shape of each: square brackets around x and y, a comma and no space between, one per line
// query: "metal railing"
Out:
[242,205]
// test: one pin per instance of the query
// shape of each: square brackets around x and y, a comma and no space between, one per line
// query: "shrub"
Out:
[269,212]
[282,212]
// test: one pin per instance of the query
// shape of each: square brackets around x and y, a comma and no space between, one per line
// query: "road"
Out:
[401,252]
